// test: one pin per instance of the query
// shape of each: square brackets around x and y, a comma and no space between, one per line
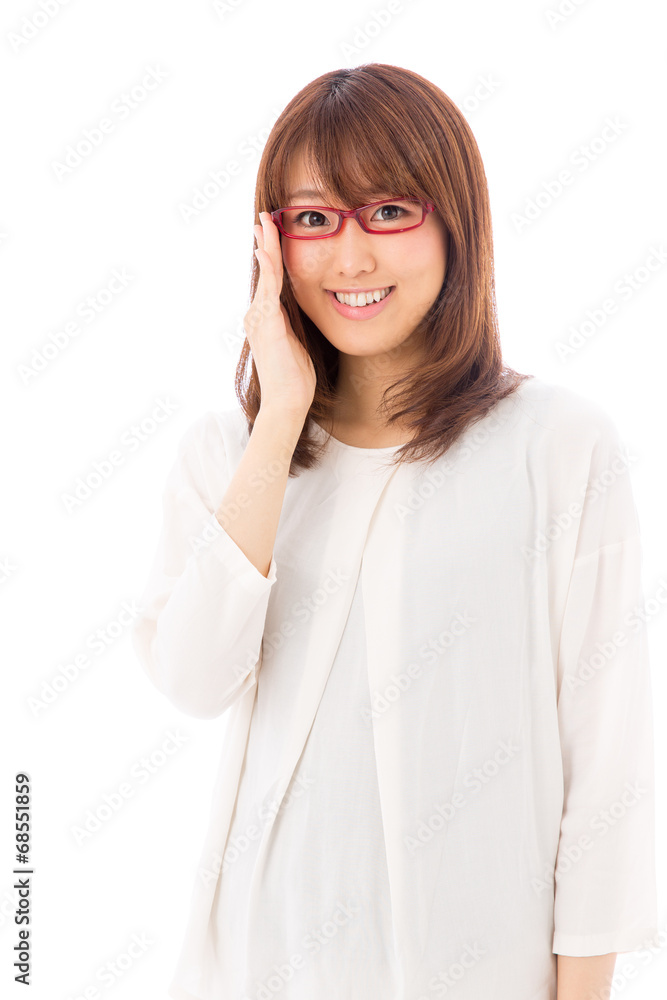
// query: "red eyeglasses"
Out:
[302,222]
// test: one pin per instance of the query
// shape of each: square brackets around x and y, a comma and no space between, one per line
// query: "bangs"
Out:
[350,163]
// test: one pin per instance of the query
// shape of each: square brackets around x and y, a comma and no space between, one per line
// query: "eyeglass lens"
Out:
[314,221]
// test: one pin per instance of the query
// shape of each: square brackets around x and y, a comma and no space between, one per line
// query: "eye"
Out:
[390,212]
[315,219]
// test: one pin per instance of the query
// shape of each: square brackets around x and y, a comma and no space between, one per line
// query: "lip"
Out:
[359,312]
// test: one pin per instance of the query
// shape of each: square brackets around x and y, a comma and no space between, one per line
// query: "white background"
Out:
[537,90]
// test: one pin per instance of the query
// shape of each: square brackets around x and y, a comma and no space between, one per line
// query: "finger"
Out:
[261,246]
[273,248]
[267,285]
[271,234]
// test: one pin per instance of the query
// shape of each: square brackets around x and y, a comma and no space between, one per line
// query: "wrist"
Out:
[284,424]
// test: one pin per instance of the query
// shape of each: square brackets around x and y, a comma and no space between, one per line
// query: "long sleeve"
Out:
[605,894]
[204,606]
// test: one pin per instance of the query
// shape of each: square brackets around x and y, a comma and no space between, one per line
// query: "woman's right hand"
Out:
[286,373]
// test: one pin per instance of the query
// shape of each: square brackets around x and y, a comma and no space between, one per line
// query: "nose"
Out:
[352,249]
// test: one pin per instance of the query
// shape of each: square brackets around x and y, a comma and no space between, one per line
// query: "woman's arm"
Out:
[250,509]
[585,978]
[204,606]
[605,901]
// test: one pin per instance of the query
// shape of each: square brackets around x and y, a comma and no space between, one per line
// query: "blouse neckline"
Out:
[353,447]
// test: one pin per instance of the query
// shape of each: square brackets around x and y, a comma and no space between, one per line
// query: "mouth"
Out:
[360,312]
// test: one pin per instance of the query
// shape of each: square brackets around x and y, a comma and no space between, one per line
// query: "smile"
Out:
[361,311]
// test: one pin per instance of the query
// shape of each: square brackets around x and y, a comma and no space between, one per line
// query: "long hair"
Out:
[378,127]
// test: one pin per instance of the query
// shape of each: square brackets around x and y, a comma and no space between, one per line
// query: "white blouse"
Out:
[437,772]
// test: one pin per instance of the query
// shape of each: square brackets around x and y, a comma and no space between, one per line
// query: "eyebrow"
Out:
[309,193]
[303,193]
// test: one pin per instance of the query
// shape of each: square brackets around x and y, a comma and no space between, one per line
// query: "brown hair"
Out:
[382,127]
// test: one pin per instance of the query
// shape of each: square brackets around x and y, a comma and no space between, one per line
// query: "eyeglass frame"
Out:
[353,213]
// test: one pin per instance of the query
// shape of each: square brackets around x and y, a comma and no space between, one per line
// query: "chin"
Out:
[362,343]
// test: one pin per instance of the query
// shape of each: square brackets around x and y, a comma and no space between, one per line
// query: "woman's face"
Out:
[413,263]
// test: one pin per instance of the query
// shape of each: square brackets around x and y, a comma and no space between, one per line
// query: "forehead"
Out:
[300,175]
[303,184]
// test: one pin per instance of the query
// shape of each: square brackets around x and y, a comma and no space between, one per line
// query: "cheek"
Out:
[305,262]
[427,263]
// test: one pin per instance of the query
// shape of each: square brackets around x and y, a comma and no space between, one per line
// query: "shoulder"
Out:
[216,433]
[548,411]
[210,448]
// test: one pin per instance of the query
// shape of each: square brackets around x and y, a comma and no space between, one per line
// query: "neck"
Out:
[360,386]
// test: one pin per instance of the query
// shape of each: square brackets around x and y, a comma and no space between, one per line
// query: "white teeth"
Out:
[363,298]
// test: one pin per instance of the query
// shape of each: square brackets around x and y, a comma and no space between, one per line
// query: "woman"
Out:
[408,571]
